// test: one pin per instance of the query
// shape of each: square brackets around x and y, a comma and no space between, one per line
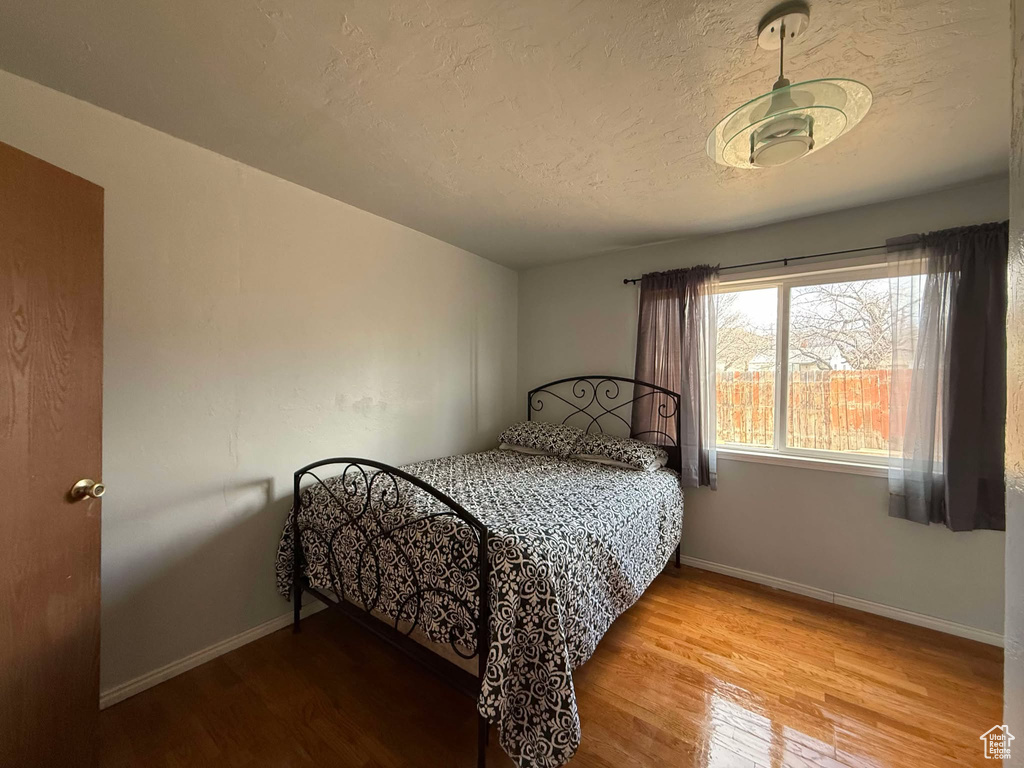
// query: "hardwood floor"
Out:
[704,671]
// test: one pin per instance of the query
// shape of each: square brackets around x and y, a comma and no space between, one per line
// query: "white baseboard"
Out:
[899,614]
[759,578]
[921,620]
[123,691]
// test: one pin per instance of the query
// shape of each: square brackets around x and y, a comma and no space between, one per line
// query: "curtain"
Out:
[675,349]
[948,386]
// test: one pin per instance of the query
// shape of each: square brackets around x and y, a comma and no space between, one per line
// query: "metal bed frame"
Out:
[590,399]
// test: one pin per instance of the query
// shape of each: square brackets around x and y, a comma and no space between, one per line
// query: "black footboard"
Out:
[355,548]
[376,518]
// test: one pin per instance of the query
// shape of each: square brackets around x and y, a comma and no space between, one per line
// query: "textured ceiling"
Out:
[539,130]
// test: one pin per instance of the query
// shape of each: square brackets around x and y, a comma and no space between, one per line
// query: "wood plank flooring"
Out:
[705,671]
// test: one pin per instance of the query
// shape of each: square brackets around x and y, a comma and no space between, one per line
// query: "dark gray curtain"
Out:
[948,398]
[675,349]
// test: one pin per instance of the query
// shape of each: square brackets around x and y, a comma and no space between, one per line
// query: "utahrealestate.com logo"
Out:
[997,742]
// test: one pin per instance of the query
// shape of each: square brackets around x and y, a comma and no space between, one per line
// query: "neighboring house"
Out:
[761,363]
[811,359]
[799,360]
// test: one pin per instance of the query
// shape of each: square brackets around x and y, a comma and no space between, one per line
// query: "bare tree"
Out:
[850,322]
[740,341]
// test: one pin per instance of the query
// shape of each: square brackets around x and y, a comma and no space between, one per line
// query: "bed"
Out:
[570,543]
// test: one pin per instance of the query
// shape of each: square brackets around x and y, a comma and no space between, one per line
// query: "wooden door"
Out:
[51,368]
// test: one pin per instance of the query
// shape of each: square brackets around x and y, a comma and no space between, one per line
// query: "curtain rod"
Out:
[783,262]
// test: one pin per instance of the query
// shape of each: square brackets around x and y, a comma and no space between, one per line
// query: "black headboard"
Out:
[602,402]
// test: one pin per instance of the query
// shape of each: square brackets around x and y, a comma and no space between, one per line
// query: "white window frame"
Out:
[784,279]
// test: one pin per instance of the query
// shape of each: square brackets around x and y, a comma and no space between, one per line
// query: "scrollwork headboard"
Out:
[605,404]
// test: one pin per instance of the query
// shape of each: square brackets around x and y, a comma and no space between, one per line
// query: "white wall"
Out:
[823,529]
[1013,687]
[252,326]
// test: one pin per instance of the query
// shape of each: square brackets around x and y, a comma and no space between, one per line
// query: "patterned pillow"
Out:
[559,439]
[635,453]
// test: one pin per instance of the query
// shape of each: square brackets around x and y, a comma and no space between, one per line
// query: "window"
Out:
[745,358]
[803,365]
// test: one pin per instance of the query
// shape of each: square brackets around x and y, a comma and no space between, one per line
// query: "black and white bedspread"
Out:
[572,545]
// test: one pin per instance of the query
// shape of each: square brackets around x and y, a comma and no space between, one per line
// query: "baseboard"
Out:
[921,620]
[879,609]
[123,691]
[760,578]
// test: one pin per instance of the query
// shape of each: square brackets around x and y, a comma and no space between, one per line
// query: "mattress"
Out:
[572,544]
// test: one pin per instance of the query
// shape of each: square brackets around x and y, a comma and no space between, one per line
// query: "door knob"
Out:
[87,489]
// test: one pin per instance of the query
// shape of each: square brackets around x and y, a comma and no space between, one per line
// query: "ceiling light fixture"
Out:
[790,121]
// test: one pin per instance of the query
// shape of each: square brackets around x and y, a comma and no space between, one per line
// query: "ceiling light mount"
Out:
[794,17]
[790,121]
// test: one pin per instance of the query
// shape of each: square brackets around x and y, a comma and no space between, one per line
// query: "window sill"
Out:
[803,462]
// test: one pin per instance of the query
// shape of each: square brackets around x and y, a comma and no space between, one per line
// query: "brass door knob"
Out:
[87,489]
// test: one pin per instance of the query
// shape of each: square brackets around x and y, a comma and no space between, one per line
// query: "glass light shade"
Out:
[787,123]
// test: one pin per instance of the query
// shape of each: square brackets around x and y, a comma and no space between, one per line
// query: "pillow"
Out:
[559,439]
[633,453]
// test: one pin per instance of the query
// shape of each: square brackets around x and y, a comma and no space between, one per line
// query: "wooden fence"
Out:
[745,407]
[827,410]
